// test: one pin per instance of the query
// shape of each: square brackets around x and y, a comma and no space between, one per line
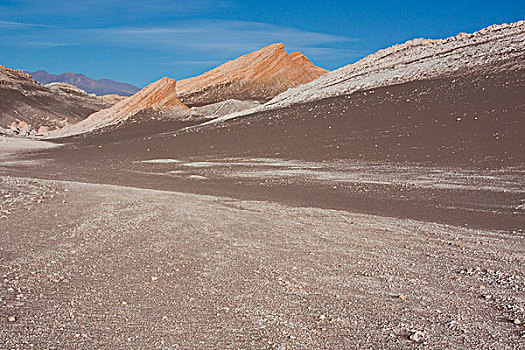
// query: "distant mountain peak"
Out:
[99,87]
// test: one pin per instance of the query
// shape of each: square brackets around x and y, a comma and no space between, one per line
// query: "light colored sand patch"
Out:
[197,177]
[201,164]
[351,172]
[10,146]
[161,161]
[20,163]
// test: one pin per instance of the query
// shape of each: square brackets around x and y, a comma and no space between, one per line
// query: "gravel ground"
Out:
[88,266]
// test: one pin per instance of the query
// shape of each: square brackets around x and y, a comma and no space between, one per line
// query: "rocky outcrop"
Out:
[113,98]
[258,76]
[223,108]
[23,102]
[160,96]
[15,72]
[66,88]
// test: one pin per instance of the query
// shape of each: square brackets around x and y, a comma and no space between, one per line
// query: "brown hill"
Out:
[160,96]
[260,76]
[26,105]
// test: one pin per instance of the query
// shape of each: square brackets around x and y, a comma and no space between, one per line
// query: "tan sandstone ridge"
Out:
[260,75]
[159,96]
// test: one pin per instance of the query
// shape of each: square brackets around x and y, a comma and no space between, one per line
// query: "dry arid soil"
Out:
[287,229]
[103,266]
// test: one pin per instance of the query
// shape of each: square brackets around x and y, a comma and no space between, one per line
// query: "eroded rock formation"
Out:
[159,96]
[259,76]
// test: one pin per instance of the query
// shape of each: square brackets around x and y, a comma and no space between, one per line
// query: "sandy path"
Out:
[122,267]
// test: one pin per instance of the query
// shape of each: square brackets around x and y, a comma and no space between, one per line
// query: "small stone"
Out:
[402,297]
[322,317]
[417,337]
[11,319]
[487,296]
[516,321]
[124,302]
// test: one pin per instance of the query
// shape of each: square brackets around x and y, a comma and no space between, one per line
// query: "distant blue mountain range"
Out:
[99,87]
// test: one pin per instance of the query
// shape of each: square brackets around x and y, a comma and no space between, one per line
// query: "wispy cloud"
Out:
[92,10]
[216,39]
[22,25]
[334,52]
[195,63]
[43,44]
[211,35]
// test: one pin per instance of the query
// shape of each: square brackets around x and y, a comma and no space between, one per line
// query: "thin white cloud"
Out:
[86,10]
[329,51]
[197,36]
[212,35]
[22,25]
[43,44]
[195,62]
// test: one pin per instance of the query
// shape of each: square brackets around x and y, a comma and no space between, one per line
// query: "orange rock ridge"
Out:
[160,95]
[259,75]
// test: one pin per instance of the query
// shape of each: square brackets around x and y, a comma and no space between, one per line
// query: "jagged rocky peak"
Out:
[259,75]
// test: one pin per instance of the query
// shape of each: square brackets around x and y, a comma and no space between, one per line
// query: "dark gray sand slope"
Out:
[448,151]
[391,218]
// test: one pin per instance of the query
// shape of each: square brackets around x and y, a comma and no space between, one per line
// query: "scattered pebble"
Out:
[11,319]
[417,337]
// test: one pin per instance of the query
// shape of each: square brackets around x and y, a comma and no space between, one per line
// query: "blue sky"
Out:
[141,41]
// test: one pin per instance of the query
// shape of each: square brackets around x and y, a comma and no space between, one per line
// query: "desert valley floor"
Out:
[243,234]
